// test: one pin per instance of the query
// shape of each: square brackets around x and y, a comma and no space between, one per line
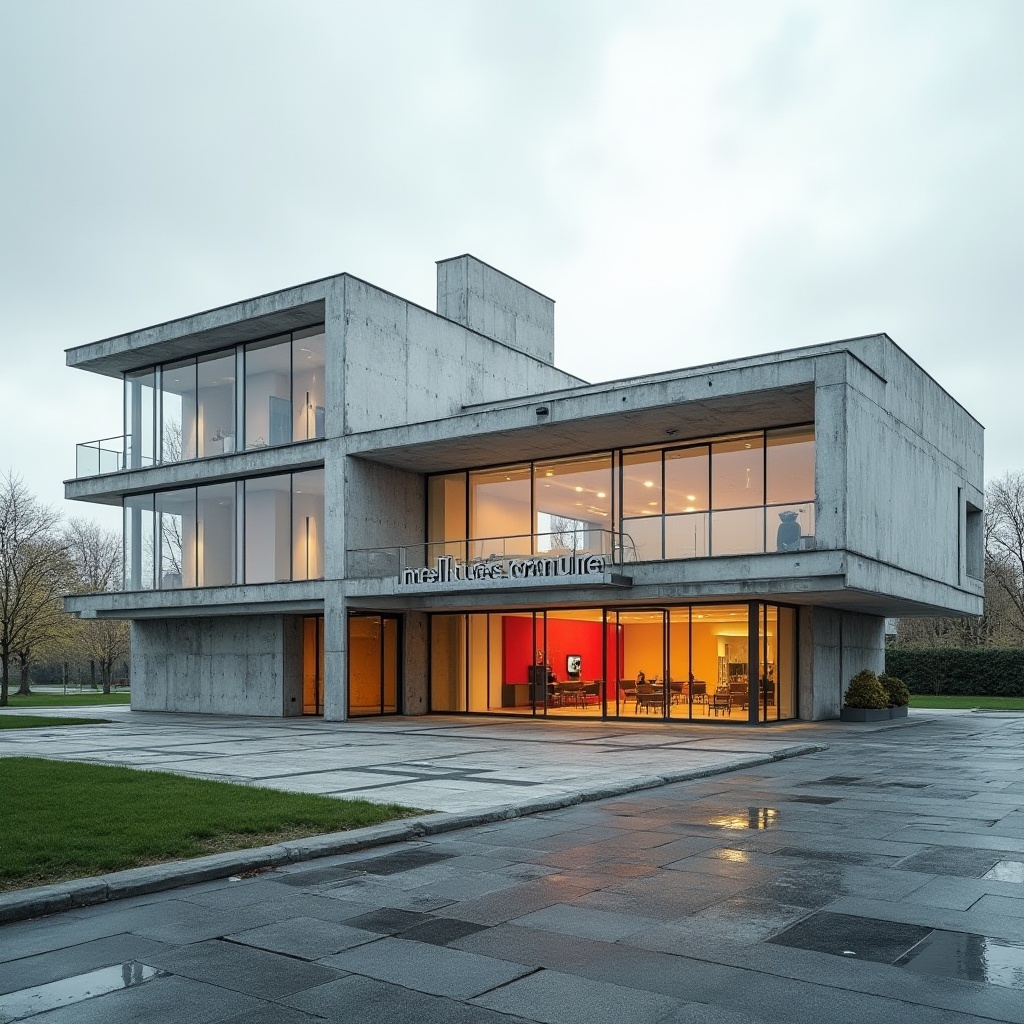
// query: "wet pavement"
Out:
[879,880]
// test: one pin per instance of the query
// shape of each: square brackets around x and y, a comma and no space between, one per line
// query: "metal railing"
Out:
[379,563]
[108,455]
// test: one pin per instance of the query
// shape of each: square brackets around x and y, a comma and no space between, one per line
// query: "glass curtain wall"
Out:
[500,514]
[313,665]
[309,394]
[699,662]
[572,502]
[790,488]
[373,672]
[215,405]
[745,494]
[267,392]
[140,419]
[178,435]
[261,530]
[139,542]
[216,544]
[268,529]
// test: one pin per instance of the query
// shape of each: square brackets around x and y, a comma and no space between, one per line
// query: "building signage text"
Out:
[447,569]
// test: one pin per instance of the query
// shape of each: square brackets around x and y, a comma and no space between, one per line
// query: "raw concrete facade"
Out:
[410,392]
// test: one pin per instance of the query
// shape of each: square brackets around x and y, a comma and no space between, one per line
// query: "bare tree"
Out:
[33,572]
[95,556]
[1004,528]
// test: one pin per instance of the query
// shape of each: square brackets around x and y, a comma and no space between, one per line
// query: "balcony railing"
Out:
[108,455]
[379,563]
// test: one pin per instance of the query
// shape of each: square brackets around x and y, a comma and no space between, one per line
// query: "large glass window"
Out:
[139,542]
[790,488]
[720,662]
[140,419]
[308,525]
[267,529]
[178,411]
[499,511]
[446,516]
[268,392]
[215,535]
[309,395]
[176,532]
[215,405]
[736,495]
[262,530]
[642,504]
[573,503]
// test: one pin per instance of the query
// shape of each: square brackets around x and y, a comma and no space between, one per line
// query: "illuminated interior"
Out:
[689,662]
[743,494]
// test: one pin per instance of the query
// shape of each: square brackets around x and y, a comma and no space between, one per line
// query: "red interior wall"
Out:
[565,637]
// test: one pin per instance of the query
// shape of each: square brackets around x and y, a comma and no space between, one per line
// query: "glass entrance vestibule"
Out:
[718,662]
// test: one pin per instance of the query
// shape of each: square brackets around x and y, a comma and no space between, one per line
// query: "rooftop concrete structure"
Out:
[435,433]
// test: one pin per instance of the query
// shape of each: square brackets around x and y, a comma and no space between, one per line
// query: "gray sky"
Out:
[689,180]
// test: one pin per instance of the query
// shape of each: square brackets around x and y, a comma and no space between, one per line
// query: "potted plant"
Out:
[898,694]
[866,700]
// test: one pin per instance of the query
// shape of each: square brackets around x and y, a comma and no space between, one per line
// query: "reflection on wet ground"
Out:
[948,954]
[30,1001]
[1006,871]
[968,957]
[753,818]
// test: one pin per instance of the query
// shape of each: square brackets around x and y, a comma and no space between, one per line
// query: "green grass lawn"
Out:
[985,703]
[64,820]
[70,700]
[43,721]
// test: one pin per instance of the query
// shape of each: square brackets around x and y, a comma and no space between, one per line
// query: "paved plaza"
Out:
[435,763]
[878,880]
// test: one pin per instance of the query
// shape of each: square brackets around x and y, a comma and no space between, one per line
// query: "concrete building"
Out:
[338,502]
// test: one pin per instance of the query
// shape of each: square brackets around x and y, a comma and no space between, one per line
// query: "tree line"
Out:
[1002,623]
[43,558]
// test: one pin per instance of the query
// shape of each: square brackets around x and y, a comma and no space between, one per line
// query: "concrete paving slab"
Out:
[714,962]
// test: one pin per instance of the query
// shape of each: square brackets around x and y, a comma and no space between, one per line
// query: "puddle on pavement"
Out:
[1006,871]
[968,957]
[30,1001]
[753,818]
[734,856]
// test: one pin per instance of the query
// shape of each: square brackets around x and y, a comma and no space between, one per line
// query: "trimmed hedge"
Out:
[959,671]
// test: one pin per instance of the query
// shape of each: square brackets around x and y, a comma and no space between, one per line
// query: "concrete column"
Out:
[834,647]
[335,654]
[416,664]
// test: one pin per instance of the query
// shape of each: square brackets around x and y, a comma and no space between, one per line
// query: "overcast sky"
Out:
[690,180]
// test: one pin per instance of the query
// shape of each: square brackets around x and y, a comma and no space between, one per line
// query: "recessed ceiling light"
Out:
[691,497]
[579,490]
[601,494]
[648,483]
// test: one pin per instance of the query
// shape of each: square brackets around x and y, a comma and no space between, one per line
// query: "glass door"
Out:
[638,653]
[374,671]
[313,665]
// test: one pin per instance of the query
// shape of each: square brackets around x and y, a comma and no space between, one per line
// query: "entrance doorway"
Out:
[313,665]
[374,676]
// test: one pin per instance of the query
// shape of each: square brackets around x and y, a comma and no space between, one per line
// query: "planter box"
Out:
[871,714]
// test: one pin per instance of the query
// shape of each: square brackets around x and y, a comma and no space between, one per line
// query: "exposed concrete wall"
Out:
[472,293]
[224,665]
[914,459]
[291,662]
[834,647]
[406,365]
